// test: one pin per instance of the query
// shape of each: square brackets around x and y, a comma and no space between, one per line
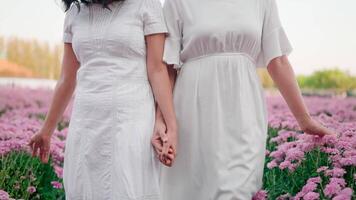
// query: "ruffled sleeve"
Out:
[152,16]
[274,42]
[67,26]
[173,42]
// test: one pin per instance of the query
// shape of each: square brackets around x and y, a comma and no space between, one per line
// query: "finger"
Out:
[173,149]
[161,158]
[157,153]
[165,148]
[44,154]
[170,156]
[35,149]
[168,162]
[163,136]
[157,146]
[170,150]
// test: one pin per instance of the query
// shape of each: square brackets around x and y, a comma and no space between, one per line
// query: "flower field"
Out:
[298,166]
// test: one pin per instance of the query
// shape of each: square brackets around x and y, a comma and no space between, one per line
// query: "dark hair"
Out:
[105,3]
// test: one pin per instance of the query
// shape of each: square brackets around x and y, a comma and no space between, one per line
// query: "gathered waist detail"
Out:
[221,54]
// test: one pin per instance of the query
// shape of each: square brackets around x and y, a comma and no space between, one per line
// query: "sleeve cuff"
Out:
[155,28]
[171,54]
[67,38]
[275,44]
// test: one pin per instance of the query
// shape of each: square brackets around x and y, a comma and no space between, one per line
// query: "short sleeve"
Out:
[152,16]
[274,41]
[67,26]
[173,43]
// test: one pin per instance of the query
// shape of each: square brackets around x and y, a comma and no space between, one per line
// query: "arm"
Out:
[64,89]
[162,89]
[172,78]
[159,131]
[282,74]
[62,94]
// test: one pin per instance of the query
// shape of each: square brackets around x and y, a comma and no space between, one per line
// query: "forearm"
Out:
[61,97]
[172,79]
[283,75]
[162,90]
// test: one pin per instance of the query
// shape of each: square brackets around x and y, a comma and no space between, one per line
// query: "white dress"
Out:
[219,100]
[108,153]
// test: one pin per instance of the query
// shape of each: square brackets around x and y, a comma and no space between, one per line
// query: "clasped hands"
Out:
[164,141]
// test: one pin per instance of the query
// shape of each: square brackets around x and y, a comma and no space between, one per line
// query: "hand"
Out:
[158,138]
[170,147]
[40,141]
[312,127]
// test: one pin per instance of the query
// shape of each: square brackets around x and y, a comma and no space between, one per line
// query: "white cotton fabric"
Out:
[219,100]
[108,154]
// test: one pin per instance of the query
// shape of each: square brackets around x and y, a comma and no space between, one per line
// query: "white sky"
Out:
[322,32]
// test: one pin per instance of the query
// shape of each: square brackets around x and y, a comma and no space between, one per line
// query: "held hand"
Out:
[40,141]
[312,127]
[158,137]
[169,151]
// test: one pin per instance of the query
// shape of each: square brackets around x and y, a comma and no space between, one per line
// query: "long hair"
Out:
[104,3]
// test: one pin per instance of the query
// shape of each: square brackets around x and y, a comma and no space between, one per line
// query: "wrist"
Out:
[172,127]
[303,118]
[47,130]
[159,116]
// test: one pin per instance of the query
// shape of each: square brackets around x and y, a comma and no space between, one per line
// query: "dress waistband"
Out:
[221,54]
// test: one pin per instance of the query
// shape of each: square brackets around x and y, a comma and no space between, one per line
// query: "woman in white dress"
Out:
[112,56]
[219,101]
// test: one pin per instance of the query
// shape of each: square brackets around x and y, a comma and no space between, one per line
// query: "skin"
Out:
[283,75]
[167,152]
[158,78]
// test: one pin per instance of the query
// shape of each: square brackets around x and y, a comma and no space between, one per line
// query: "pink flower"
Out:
[347,161]
[331,189]
[272,164]
[285,164]
[31,189]
[4,195]
[314,180]
[260,195]
[311,196]
[294,154]
[284,197]
[345,194]
[336,172]
[339,181]
[267,152]
[330,139]
[56,184]
[323,168]
[309,187]
[59,171]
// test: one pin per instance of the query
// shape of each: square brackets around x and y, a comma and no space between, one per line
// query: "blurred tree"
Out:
[328,79]
[37,56]
[265,78]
